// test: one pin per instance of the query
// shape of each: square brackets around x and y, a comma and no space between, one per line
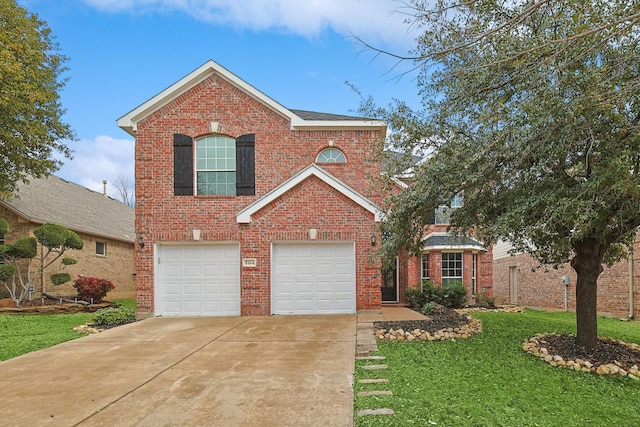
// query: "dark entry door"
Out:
[390,285]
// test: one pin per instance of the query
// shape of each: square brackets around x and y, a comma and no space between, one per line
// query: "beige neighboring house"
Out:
[105,225]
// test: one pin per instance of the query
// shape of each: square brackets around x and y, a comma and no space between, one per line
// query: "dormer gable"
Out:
[299,119]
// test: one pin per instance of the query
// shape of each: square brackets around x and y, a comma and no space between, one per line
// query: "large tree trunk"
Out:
[587,263]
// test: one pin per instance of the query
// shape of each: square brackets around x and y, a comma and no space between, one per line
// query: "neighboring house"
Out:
[105,225]
[519,279]
[245,207]
[445,258]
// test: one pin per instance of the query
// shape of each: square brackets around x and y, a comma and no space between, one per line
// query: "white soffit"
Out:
[244,216]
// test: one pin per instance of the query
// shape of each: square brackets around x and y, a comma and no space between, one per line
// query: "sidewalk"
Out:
[365,337]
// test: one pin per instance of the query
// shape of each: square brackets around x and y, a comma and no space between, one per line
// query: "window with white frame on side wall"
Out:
[425,266]
[474,273]
[101,248]
[451,267]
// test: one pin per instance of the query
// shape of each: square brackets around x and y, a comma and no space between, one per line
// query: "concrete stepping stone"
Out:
[374,367]
[378,411]
[370,358]
[375,393]
[373,380]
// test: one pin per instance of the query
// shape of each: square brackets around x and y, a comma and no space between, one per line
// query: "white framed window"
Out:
[331,155]
[451,267]
[425,265]
[474,273]
[101,248]
[216,165]
[443,213]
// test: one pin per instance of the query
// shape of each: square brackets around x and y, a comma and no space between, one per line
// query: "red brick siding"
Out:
[541,287]
[411,268]
[280,154]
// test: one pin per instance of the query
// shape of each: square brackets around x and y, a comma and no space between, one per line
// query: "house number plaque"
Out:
[249,262]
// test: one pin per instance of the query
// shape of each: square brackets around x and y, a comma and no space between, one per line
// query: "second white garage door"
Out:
[313,278]
[198,280]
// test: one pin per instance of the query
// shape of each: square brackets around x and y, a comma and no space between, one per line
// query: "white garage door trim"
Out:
[197,279]
[313,277]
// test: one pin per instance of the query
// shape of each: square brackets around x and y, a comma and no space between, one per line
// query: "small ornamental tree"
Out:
[22,267]
[92,289]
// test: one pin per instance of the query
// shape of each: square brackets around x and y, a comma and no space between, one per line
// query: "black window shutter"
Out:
[182,165]
[246,165]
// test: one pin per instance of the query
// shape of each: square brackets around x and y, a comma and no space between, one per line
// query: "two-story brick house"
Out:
[245,207]
[445,257]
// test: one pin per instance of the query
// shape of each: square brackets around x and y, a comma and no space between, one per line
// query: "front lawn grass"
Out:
[488,380]
[23,333]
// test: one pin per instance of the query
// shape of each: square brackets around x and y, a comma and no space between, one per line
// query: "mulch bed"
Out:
[50,306]
[450,319]
[605,352]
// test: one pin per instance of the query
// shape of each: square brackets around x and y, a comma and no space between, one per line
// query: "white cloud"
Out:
[103,158]
[376,21]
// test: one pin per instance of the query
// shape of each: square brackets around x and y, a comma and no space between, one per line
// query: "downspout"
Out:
[631,284]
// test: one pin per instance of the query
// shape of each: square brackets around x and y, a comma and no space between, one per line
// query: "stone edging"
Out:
[473,327]
[501,309]
[534,347]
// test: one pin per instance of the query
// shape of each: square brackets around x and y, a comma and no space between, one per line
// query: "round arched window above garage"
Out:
[331,155]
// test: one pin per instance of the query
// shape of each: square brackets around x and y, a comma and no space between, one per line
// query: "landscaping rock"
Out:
[535,347]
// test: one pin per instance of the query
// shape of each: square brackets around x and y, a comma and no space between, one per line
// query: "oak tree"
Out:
[531,110]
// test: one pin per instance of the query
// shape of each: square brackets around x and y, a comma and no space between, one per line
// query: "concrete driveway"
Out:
[220,371]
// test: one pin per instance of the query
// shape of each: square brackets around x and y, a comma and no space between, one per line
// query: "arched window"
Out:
[331,155]
[216,165]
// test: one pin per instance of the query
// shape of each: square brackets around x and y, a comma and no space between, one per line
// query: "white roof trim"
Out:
[244,216]
[129,122]
[454,248]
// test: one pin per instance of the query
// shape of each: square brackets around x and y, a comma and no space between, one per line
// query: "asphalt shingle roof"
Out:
[55,200]
[440,241]
[312,115]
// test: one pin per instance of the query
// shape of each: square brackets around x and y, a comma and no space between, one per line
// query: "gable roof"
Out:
[300,119]
[244,216]
[445,241]
[55,200]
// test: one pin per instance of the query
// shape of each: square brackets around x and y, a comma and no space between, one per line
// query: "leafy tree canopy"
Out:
[531,111]
[31,126]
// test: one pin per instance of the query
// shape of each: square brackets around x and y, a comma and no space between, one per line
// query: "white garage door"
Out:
[198,280]
[313,278]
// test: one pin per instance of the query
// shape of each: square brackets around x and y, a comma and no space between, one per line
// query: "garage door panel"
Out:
[313,278]
[198,280]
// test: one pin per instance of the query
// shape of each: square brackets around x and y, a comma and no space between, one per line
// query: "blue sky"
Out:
[298,52]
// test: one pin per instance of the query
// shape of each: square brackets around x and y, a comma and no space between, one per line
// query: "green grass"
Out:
[488,380]
[23,333]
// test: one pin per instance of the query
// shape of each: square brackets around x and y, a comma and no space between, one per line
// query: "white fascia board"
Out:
[399,183]
[299,123]
[129,121]
[446,248]
[244,216]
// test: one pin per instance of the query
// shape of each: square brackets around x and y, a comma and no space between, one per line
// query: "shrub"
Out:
[92,288]
[431,291]
[433,308]
[484,300]
[454,294]
[114,316]
[415,297]
[60,278]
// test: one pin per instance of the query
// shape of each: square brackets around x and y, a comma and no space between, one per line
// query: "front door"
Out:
[390,285]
